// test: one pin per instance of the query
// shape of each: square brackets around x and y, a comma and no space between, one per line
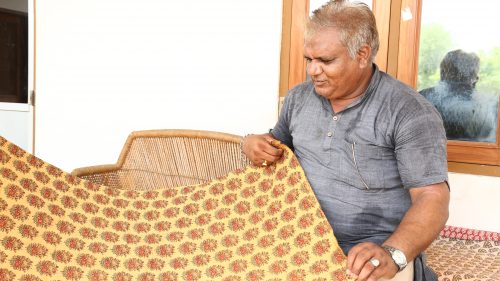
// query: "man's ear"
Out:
[364,55]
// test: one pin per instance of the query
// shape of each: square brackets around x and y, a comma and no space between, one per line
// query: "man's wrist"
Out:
[397,256]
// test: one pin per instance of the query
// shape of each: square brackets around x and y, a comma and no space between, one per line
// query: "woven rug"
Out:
[465,254]
[253,224]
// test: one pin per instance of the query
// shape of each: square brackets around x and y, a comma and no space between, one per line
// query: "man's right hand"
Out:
[260,151]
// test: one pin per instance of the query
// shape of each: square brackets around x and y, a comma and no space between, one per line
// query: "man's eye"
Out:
[308,59]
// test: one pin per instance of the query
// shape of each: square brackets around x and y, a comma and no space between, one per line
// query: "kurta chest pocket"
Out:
[372,164]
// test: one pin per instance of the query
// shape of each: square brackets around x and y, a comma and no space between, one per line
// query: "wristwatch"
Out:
[397,256]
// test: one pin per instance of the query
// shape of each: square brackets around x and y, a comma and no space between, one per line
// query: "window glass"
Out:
[459,66]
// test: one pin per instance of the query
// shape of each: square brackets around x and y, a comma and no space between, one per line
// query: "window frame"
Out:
[398,56]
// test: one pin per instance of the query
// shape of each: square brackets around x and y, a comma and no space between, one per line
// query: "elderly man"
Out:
[373,150]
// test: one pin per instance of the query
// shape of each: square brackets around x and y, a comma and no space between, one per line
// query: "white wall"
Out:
[106,68]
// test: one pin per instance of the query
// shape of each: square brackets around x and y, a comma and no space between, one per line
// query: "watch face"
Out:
[399,257]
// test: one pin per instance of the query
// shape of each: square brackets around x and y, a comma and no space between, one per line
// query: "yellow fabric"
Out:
[253,224]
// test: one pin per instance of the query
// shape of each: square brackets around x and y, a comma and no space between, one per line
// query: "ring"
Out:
[375,262]
[264,163]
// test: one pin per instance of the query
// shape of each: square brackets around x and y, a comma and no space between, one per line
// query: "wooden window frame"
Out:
[398,56]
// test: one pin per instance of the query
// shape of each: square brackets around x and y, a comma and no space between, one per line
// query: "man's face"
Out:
[335,74]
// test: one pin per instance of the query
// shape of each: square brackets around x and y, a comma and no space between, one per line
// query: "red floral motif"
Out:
[179,200]
[90,208]
[35,201]
[123,276]
[251,234]
[251,177]
[37,250]
[162,226]
[274,208]
[169,192]
[261,201]
[209,245]
[98,248]
[62,256]
[198,195]
[151,215]
[121,250]
[303,239]
[248,192]
[160,204]
[192,275]
[42,220]
[306,221]
[72,180]
[238,266]
[52,238]
[321,247]
[187,248]
[223,213]
[131,194]
[65,227]
[20,263]
[41,177]
[340,275]
[307,202]
[49,194]
[6,224]
[101,199]
[140,204]
[4,157]
[282,250]
[120,203]
[230,240]
[110,263]
[216,228]
[282,173]
[279,267]
[86,260]
[191,209]
[81,193]
[183,222]
[26,231]
[171,212]
[111,213]
[229,199]
[69,202]
[142,227]
[155,264]
[88,233]
[56,172]
[196,234]
[217,189]
[121,226]
[266,241]
[19,212]
[110,237]
[131,238]
[235,183]
[224,255]
[56,210]
[46,268]
[266,185]
[150,195]
[300,258]
[3,204]
[187,189]
[256,275]
[322,229]
[175,236]
[114,192]
[79,218]
[245,249]
[6,274]
[168,276]
[28,184]
[289,214]
[243,207]
[21,167]
[260,259]
[97,275]
[16,150]
[215,271]
[14,192]
[12,243]
[8,174]
[165,250]
[294,178]
[236,224]
[210,204]
[270,224]
[143,251]
[256,217]
[60,185]
[178,263]
[278,190]
[201,260]
[297,275]
[91,186]
[72,273]
[319,266]
[75,244]
[131,215]
[203,219]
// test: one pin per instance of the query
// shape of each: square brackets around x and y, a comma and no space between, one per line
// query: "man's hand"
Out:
[360,267]
[260,151]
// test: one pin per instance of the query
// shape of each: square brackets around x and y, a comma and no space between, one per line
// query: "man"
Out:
[467,115]
[373,150]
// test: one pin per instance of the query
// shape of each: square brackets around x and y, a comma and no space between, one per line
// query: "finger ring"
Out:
[375,262]
[264,163]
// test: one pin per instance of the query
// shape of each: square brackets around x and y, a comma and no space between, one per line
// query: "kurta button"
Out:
[329,134]
[335,118]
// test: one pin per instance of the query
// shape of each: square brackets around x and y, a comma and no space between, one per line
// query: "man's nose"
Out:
[314,68]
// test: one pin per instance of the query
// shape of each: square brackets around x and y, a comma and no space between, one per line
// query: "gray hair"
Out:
[353,20]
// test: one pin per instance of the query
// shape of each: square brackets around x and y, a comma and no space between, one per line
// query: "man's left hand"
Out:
[362,262]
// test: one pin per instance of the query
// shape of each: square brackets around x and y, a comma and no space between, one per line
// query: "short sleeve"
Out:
[281,130]
[420,146]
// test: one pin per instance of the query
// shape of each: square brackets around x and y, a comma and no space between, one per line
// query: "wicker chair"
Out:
[164,158]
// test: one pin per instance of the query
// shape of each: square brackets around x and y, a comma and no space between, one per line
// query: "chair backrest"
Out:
[163,158]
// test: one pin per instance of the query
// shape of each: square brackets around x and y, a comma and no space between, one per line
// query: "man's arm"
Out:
[258,148]
[418,228]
